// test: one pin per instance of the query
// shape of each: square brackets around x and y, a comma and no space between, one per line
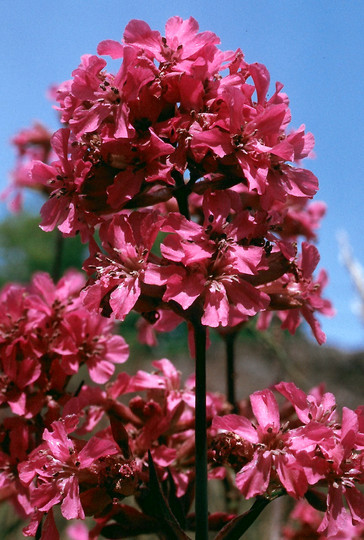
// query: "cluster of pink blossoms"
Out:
[182,140]
[182,176]
[88,448]
[304,446]
[31,144]
[82,447]
[304,521]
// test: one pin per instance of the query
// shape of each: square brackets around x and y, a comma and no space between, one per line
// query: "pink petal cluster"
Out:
[168,110]
[299,452]
[31,144]
[220,268]
[186,182]
[60,464]
[304,521]
[85,451]
[89,452]
[186,131]
[302,295]
[45,336]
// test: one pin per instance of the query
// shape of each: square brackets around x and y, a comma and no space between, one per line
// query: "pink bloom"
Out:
[20,350]
[65,178]
[343,466]
[33,140]
[250,138]
[181,43]
[139,161]
[120,274]
[304,522]
[302,219]
[319,408]
[45,335]
[300,294]
[59,464]
[211,264]
[54,299]
[271,453]
[32,144]
[89,340]
[92,98]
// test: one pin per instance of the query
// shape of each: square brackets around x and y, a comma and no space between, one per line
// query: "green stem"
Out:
[230,340]
[201,503]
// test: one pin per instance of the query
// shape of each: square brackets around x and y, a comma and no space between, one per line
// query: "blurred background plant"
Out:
[355,271]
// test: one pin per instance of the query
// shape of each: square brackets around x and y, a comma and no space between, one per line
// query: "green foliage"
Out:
[25,249]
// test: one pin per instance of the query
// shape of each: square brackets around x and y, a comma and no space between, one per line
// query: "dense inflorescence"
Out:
[81,446]
[183,139]
[185,180]
[305,446]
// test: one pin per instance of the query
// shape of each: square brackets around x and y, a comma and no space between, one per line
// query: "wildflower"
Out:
[271,460]
[120,272]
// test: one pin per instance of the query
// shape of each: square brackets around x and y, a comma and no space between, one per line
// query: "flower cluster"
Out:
[84,448]
[183,140]
[186,182]
[31,144]
[46,334]
[303,447]
[304,521]
[89,450]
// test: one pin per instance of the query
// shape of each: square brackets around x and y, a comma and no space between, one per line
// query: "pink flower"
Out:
[65,179]
[300,294]
[20,350]
[310,407]
[31,144]
[212,264]
[89,340]
[60,464]
[251,139]
[343,469]
[302,219]
[271,458]
[127,241]
[140,160]
[181,43]
[304,522]
[46,334]
[54,299]
[91,98]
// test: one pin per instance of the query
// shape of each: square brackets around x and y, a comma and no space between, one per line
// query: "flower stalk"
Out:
[230,340]
[201,500]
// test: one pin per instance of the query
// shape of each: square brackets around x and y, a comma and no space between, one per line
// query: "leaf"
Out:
[239,525]
[316,499]
[179,505]
[161,508]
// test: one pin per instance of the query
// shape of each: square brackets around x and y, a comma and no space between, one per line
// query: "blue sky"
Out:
[315,48]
